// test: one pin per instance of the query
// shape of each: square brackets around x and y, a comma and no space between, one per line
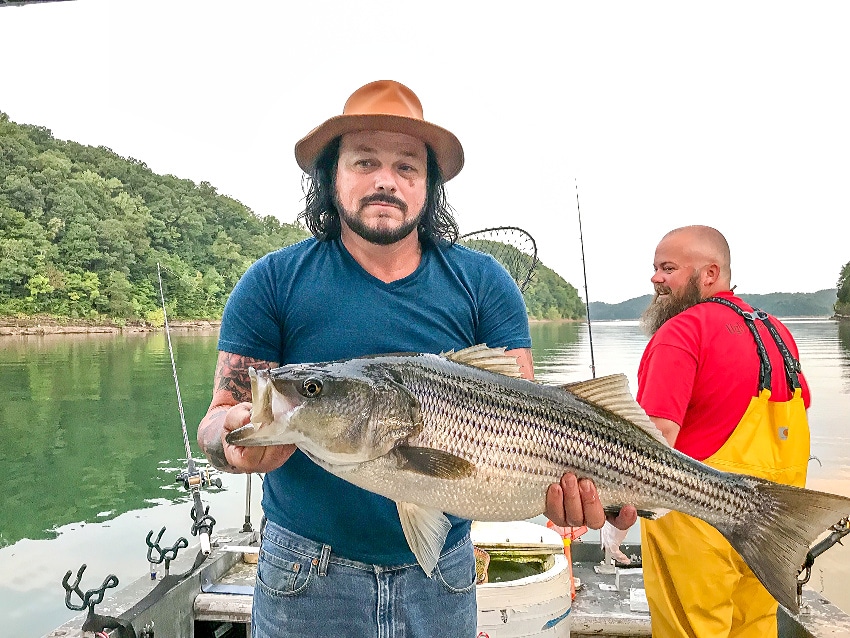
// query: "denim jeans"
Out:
[304,589]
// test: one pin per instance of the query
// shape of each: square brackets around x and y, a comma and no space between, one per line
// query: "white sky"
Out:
[731,114]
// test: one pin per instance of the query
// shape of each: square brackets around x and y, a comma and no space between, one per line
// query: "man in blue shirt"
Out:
[381,274]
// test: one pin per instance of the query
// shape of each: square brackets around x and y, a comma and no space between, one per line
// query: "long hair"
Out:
[321,216]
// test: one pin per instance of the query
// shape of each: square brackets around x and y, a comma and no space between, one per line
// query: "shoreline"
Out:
[41,326]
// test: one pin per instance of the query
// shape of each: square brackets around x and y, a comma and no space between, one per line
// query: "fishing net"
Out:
[512,247]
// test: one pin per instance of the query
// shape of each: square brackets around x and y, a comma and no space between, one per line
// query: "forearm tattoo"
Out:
[232,386]
[232,375]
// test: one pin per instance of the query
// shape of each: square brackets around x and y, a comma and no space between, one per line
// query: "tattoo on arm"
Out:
[232,386]
[231,375]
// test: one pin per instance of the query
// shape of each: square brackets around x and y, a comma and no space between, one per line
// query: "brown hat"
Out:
[384,105]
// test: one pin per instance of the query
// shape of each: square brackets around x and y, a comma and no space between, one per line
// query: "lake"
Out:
[93,444]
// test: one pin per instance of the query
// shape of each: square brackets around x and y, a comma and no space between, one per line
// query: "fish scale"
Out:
[503,431]
[460,434]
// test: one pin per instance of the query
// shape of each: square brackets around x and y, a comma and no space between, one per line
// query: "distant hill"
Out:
[83,232]
[779,304]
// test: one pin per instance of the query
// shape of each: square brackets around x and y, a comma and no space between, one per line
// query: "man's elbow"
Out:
[669,429]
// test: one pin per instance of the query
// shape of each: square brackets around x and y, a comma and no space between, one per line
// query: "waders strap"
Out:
[792,366]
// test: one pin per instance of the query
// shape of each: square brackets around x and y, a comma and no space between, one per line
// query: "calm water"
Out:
[92,445]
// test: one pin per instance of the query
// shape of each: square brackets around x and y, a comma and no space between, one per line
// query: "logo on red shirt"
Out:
[736,328]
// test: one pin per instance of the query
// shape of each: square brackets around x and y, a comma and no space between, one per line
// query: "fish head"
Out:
[339,413]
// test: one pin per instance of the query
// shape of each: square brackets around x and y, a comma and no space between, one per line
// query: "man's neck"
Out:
[717,290]
[387,263]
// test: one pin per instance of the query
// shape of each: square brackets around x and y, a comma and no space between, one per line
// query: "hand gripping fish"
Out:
[462,433]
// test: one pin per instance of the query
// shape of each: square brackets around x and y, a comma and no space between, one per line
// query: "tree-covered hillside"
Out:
[547,295]
[82,230]
[842,306]
[779,304]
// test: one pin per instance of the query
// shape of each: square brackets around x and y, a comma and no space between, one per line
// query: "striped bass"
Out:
[461,433]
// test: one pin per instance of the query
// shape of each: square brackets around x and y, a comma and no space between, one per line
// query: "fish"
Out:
[463,433]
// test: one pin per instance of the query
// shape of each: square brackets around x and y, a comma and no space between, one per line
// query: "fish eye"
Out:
[311,388]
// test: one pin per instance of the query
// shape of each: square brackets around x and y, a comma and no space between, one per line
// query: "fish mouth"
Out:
[253,435]
[242,436]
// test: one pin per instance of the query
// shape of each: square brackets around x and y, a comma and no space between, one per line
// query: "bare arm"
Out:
[525,361]
[230,409]
[670,429]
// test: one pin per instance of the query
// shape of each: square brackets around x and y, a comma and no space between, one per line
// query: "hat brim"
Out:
[445,145]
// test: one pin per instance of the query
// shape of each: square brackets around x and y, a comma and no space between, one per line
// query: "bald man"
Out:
[702,382]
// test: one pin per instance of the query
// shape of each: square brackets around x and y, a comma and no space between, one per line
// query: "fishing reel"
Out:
[202,477]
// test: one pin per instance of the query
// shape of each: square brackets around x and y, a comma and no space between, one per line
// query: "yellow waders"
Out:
[696,584]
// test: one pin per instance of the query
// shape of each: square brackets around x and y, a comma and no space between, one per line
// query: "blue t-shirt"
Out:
[312,302]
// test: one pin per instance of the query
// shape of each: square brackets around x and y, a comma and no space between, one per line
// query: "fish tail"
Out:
[774,542]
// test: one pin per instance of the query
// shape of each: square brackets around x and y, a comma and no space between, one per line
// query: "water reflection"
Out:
[844,340]
[92,444]
[824,347]
[91,426]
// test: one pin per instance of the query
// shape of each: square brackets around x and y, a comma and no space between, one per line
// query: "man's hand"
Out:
[251,459]
[230,409]
[573,503]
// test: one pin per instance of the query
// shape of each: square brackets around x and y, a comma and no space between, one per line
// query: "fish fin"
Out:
[486,358]
[433,462]
[425,530]
[261,397]
[612,393]
[774,543]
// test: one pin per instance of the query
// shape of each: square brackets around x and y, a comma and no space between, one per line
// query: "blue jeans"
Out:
[304,589]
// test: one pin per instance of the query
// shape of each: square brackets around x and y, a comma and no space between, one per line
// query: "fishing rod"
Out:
[586,297]
[837,532]
[193,477]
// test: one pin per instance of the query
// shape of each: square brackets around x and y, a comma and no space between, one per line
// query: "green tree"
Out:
[117,297]
[82,291]
[549,296]
[842,305]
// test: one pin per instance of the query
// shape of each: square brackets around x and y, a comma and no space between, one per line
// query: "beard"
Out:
[666,305]
[380,236]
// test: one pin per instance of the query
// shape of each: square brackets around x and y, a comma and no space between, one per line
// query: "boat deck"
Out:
[614,603]
[607,603]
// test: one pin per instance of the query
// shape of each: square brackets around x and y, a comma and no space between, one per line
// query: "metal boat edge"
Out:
[215,598]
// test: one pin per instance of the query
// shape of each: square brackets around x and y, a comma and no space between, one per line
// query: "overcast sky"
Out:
[731,114]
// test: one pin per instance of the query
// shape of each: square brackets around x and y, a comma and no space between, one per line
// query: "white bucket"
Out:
[537,605]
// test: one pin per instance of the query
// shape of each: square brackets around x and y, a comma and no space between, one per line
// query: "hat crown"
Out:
[384,97]
[385,105]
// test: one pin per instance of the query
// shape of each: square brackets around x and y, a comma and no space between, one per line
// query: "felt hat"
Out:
[384,105]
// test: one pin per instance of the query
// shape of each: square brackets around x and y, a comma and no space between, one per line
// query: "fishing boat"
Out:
[537,582]
[524,589]
[528,592]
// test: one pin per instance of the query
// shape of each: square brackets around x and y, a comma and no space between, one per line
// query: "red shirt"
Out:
[701,369]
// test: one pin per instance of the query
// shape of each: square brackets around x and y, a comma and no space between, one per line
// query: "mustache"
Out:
[383,198]
[661,289]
